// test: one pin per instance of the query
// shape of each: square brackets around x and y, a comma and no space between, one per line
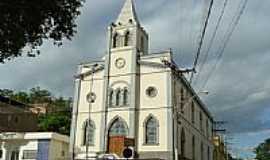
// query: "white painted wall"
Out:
[29,141]
[141,70]
[160,106]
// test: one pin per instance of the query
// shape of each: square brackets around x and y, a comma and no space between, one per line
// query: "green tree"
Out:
[57,121]
[22,97]
[231,158]
[6,92]
[262,151]
[26,23]
[38,95]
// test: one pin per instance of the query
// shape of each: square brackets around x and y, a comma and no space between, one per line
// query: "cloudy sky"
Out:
[239,86]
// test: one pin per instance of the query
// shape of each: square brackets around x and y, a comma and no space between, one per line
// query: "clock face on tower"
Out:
[120,63]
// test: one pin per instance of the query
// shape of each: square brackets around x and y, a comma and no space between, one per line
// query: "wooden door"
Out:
[116,145]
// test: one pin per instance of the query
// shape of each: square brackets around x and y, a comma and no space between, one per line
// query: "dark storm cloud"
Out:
[239,88]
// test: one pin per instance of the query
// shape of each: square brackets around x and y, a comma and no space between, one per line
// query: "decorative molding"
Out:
[152,64]
[90,72]
[148,117]
[119,82]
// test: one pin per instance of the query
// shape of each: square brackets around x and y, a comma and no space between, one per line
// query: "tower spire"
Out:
[127,13]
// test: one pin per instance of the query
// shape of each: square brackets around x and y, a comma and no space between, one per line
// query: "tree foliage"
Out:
[35,95]
[38,95]
[57,121]
[231,158]
[262,151]
[26,23]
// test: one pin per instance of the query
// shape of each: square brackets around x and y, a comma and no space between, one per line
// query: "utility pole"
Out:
[107,83]
[176,72]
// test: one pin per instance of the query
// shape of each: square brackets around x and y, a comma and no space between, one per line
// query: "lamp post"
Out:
[91,97]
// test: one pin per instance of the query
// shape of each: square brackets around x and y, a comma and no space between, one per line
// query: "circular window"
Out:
[120,63]
[91,97]
[151,91]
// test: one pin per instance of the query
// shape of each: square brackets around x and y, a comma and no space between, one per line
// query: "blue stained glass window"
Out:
[118,128]
[151,131]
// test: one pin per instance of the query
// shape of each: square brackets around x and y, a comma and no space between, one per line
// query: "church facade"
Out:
[132,98]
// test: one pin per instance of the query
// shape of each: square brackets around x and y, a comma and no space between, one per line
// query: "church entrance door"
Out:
[116,145]
[118,132]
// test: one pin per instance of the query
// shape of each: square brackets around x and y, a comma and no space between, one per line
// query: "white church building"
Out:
[136,99]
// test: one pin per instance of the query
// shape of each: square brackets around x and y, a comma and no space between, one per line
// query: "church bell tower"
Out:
[127,41]
[127,31]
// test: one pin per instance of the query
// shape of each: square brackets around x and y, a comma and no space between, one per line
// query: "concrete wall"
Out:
[139,72]
[193,129]
[18,122]
[160,107]
[58,150]
[16,119]
[48,146]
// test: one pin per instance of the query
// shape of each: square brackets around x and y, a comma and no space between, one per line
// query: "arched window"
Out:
[193,148]
[88,132]
[111,98]
[208,152]
[118,128]
[202,151]
[127,40]
[142,44]
[125,97]
[151,131]
[215,153]
[192,112]
[118,97]
[182,99]
[201,121]
[116,40]
[183,143]
[15,155]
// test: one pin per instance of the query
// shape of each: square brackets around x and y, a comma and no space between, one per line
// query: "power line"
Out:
[202,38]
[197,35]
[229,32]
[212,38]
